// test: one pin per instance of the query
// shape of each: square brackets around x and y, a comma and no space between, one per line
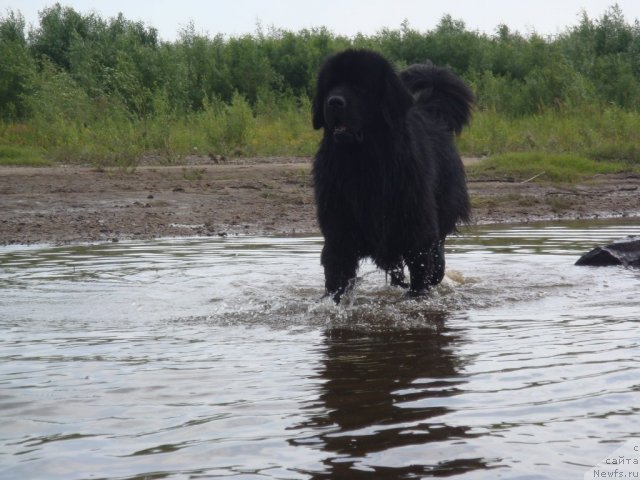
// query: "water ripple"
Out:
[204,358]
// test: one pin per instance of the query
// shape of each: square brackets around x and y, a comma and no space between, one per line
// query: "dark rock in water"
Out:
[623,252]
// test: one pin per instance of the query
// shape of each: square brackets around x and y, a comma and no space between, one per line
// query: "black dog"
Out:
[389,183]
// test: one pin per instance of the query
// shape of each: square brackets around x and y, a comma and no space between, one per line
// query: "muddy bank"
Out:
[244,196]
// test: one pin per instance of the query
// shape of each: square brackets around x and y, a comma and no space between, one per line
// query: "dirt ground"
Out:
[214,197]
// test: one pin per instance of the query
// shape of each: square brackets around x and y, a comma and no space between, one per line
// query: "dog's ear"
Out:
[317,107]
[396,99]
[317,110]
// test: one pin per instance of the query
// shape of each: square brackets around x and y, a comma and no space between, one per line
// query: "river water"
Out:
[216,358]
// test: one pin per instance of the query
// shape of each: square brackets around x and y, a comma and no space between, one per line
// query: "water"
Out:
[207,358]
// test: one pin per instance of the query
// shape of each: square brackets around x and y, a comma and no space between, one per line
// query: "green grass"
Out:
[22,156]
[549,167]
[566,146]
[599,133]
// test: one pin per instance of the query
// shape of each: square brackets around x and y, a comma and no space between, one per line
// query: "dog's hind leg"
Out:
[437,263]
[396,274]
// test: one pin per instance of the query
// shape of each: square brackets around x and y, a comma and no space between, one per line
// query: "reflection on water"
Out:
[209,358]
[370,400]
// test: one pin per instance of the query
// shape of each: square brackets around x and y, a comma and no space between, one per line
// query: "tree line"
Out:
[72,59]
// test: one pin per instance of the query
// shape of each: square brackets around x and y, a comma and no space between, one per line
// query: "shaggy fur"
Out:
[389,183]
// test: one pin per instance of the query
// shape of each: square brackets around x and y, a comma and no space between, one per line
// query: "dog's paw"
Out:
[400,284]
[417,293]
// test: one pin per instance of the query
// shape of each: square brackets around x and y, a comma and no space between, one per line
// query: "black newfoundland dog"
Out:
[389,183]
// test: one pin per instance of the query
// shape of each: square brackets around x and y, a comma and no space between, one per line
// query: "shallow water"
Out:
[214,358]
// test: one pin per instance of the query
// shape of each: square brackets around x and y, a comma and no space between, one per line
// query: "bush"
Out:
[84,88]
[17,68]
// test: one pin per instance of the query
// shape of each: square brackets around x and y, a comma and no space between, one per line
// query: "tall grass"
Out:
[608,134]
[24,156]
[106,135]
[549,167]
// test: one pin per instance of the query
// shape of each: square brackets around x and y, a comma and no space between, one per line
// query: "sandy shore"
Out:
[245,196]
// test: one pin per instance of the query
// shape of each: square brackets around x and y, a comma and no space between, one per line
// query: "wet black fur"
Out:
[389,183]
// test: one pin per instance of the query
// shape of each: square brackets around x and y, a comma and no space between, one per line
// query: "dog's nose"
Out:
[337,101]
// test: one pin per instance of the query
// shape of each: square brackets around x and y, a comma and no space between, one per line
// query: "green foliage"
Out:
[83,88]
[17,67]
[540,166]
[22,156]
[283,127]
[227,127]
[595,62]
[607,134]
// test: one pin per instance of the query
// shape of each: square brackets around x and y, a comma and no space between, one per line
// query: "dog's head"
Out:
[358,93]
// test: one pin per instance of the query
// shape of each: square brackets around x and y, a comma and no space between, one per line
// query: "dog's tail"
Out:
[441,93]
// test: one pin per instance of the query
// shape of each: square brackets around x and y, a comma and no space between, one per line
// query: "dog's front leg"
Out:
[396,272]
[339,271]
